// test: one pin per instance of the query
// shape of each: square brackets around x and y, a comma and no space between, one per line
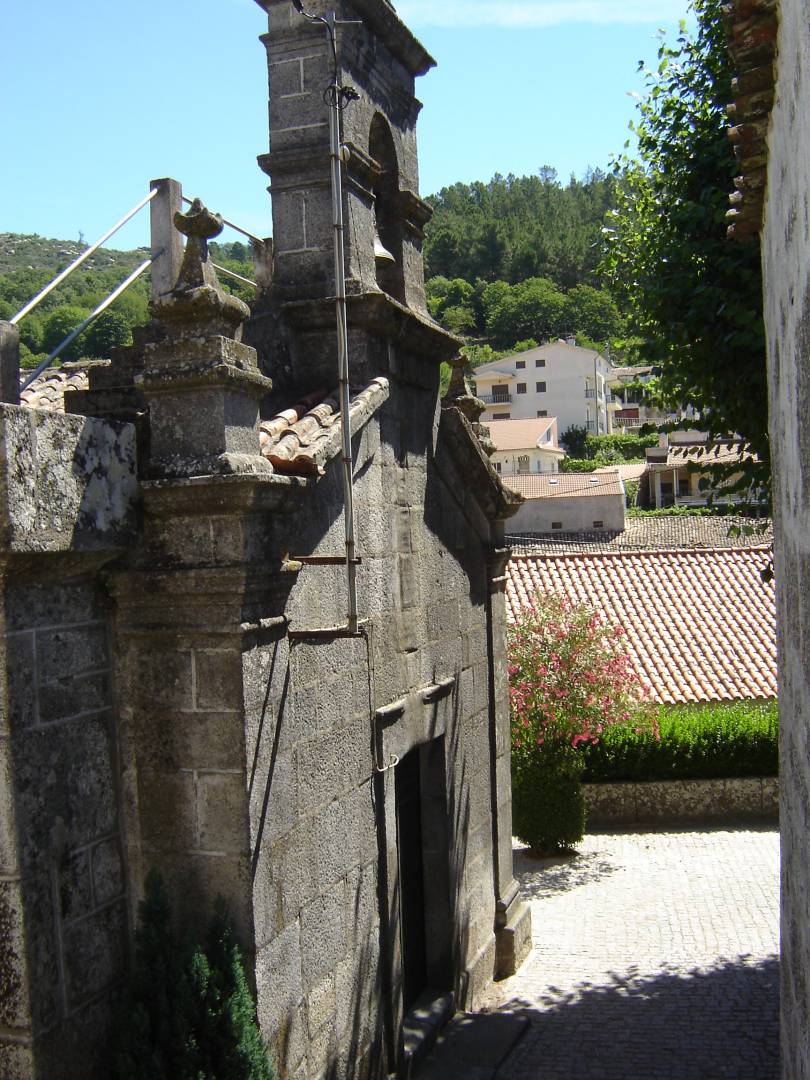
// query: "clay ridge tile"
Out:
[299,441]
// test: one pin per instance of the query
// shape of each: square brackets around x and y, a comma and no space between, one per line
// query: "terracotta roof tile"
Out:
[301,440]
[564,485]
[700,624]
[48,390]
[703,455]
[685,532]
[631,470]
[752,27]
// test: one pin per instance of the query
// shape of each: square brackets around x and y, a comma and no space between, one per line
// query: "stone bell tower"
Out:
[379,59]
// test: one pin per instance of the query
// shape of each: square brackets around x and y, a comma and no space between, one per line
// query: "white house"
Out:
[629,411]
[558,379]
[568,502]
[525,446]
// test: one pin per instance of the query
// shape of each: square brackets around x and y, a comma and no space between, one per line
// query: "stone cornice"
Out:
[378,312]
[381,18]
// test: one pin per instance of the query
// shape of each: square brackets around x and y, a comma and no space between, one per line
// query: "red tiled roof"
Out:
[705,455]
[675,533]
[520,434]
[564,485]
[700,624]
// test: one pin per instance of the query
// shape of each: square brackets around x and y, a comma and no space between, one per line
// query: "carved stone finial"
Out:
[200,225]
[198,304]
[459,394]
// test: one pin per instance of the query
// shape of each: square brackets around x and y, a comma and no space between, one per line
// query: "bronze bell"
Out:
[381,252]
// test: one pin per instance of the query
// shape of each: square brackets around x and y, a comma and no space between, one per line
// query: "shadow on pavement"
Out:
[676,1024]
[560,873]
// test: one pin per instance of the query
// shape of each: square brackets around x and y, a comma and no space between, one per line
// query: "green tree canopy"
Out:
[110,330]
[517,227]
[693,295]
[592,313]
[533,309]
[58,325]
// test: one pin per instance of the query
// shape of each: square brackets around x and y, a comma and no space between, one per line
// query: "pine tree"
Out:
[189,1014]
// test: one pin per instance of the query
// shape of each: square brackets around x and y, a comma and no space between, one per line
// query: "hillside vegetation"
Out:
[29,262]
[513,262]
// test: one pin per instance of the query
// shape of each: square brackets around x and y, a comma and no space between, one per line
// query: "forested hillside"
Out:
[515,260]
[28,263]
[510,263]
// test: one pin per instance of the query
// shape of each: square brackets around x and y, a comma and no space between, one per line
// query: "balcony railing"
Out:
[496,399]
[628,422]
[590,393]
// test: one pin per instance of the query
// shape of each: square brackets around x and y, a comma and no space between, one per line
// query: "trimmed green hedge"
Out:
[718,510]
[697,742]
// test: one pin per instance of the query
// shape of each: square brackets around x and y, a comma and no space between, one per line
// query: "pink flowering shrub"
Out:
[569,679]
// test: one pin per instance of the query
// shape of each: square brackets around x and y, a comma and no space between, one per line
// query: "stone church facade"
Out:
[181,688]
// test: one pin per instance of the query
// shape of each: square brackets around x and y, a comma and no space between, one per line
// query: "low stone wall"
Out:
[675,801]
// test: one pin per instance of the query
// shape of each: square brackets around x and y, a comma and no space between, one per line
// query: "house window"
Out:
[540,387]
[539,361]
[500,393]
[599,524]
[556,524]
[523,463]
[521,387]
[500,416]
[497,465]
[520,364]
[542,412]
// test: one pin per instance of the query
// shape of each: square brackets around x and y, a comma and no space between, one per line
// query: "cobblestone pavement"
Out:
[655,958]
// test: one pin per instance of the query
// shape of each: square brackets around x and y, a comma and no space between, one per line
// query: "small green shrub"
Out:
[696,742]
[189,1014]
[548,803]
[577,465]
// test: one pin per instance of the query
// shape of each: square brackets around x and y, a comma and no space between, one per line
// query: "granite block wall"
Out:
[322,718]
[64,951]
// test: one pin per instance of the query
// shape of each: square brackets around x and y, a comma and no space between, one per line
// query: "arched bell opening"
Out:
[388,216]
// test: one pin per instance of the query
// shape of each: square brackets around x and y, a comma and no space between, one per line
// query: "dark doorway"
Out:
[411,877]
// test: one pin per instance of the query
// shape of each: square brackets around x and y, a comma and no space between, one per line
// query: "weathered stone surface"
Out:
[68,482]
[94,954]
[15,1010]
[786,267]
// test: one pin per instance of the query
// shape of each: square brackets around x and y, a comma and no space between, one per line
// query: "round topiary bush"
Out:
[548,802]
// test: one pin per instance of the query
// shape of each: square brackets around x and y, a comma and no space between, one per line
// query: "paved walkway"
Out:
[655,958]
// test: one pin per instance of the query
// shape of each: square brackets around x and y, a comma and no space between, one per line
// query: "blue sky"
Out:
[96,98]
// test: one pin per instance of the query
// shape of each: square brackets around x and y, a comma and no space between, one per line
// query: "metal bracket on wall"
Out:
[324,560]
[328,633]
